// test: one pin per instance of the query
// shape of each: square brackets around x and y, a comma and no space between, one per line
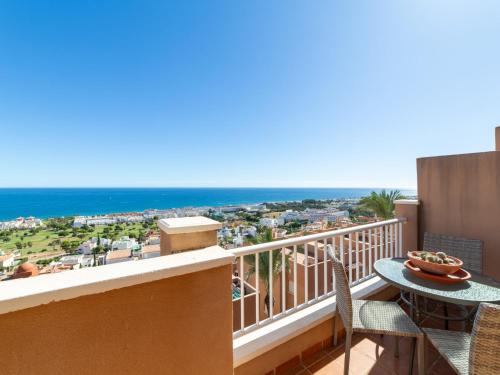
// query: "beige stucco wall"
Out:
[410,228]
[174,243]
[178,325]
[460,196]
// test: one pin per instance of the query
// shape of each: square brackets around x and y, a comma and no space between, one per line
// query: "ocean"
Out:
[56,202]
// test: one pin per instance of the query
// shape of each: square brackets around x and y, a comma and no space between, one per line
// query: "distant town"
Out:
[59,244]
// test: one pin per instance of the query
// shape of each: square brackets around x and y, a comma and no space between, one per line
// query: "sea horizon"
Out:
[48,202]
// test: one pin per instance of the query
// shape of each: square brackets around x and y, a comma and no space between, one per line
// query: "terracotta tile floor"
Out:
[374,355]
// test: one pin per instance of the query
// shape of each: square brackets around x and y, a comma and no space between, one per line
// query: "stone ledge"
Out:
[188,225]
[414,202]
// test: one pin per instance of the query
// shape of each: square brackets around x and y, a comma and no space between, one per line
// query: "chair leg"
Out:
[396,348]
[417,310]
[445,308]
[412,307]
[412,354]
[421,355]
[335,330]
[348,336]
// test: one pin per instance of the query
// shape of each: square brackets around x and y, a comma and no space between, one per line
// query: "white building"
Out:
[101,220]
[86,247]
[21,223]
[79,222]
[125,243]
[268,222]
[76,261]
[238,241]
[104,242]
[312,215]
[130,219]
[6,260]
[225,232]
[255,208]
[160,214]
[250,231]
[339,216]
[290,215]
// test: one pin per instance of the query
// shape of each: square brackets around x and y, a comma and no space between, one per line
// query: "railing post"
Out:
[408,209]
[187,233]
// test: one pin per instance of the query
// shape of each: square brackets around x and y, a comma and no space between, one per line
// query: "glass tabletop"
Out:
[471,292]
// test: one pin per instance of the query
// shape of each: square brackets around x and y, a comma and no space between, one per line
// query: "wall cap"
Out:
[414,202]
[21,294]
[190,224]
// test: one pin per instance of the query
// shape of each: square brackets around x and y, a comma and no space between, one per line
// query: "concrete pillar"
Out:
[187,233]
[408,208]
[497,138]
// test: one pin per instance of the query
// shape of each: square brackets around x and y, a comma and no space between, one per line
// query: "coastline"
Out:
[47,203]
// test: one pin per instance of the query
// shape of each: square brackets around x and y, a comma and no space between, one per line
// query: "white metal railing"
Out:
[301,273]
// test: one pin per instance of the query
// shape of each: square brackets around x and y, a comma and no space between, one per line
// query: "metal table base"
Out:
[416,311]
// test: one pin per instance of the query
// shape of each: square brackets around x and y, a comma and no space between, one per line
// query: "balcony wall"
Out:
[167,315]
[460,196]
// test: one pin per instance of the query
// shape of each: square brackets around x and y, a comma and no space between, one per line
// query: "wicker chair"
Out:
[468,250]
[476,353]
[375,317]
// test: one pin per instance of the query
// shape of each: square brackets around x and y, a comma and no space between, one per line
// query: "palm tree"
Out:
[382,204]
[264,262]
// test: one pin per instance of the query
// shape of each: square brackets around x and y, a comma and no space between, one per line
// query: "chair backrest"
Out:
[469,251]
[484,355]
[343,292]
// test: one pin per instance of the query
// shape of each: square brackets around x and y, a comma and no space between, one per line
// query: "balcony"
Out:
[181,304]
[187,312]
[303,290]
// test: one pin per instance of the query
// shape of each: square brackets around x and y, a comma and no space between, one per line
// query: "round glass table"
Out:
[468,293]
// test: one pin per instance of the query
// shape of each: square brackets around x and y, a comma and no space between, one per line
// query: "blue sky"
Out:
[243,93]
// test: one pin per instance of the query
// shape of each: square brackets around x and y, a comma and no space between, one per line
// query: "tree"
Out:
[65,245]
[264,263]
[141,237]
[97,250]
[381,204]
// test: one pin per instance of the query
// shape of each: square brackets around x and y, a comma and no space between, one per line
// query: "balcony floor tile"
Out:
[371,354]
